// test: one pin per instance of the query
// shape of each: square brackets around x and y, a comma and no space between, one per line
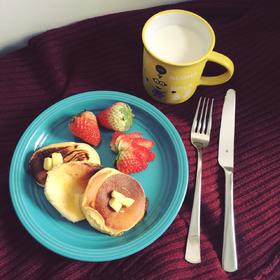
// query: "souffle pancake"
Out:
[113,202]
[65,186]
[45,158]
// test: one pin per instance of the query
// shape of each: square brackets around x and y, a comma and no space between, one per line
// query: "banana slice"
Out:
[65,186]
[70,151]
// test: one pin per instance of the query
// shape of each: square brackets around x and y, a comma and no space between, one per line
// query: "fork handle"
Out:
[229,257]
[192,254]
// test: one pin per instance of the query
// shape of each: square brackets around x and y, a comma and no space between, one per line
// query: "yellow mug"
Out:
[177,45]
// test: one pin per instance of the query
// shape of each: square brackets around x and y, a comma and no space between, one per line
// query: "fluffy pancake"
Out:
[95,204]
[70,151]
[65,185]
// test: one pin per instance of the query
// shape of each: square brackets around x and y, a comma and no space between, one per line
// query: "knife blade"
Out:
[226,138]
[226,161]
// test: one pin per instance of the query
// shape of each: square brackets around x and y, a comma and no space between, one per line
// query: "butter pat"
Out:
[125,201]
[47,163]
[57,159]
[115,204]
[117,195]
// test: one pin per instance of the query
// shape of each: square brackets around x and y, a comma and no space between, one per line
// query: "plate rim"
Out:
[154,232]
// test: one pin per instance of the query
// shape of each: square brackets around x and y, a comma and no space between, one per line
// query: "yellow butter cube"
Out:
[115,204]
[48,164]
[117,195]
[126,201]
[57,159]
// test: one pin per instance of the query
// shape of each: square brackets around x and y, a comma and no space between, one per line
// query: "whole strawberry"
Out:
[85,127]
[117,117]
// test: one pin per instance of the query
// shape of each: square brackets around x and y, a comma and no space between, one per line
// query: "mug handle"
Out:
[220,79]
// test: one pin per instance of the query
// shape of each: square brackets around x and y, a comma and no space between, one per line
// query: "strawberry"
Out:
[147,143]
[129,161]
[85,127]
[129,144]
[123,142]
[117,136]
[135,135]
[152,156]
[145,153]
[113,141]
[117,117]
[134,151]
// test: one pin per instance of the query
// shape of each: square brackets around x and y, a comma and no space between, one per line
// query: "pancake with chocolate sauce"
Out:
[70,151]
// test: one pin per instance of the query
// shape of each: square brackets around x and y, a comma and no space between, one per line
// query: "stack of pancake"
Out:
[79,188]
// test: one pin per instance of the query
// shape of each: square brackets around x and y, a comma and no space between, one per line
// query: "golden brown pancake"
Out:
[95,204]
[65,186]
[70,151]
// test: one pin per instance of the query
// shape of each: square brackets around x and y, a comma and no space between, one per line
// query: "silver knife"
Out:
[226,161]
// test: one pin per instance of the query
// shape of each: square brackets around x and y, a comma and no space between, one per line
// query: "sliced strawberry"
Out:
[132,135]
[144,142]
[130,162]
[113,141]
[135,135]
[134,151]
[85,127]
[115,138]
[123,142]
[129,144]
[145,153]
[152,156]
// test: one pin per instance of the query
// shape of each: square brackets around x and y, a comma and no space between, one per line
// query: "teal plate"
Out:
[165,180]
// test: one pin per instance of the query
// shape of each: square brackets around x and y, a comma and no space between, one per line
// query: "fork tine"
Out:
[205,117]
[195,116]
[209,125]
[200,117]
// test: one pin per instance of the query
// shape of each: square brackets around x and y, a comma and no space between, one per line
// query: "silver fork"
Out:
[200,137]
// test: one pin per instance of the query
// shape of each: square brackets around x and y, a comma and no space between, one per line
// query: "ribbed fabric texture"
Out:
[106,53]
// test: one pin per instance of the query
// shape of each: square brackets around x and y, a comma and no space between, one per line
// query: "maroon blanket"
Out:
[106,53]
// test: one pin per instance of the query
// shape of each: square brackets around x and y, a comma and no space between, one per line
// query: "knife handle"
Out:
[229,257]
